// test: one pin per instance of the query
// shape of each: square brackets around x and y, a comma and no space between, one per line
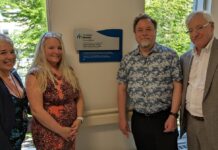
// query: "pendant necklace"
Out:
[13,89]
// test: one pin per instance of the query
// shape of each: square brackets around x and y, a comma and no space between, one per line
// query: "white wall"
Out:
[98,80]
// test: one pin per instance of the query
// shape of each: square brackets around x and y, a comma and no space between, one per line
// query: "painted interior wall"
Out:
[98,80]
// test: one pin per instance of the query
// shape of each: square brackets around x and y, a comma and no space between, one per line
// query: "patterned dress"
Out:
[21,122]
[61,105]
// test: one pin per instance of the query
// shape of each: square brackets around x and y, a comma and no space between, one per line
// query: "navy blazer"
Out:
[7,113]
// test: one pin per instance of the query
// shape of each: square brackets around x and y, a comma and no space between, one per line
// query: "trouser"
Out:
[148,132]
[196,134]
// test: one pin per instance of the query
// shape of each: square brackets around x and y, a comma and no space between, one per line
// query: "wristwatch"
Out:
[174,114]
[80,118]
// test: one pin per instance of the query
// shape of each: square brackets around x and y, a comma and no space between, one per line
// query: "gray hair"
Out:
[205,15]
[5,38]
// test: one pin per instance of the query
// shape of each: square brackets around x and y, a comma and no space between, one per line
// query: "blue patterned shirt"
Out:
[150,79]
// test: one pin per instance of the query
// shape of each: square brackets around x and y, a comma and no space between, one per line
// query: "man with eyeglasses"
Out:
[199,107]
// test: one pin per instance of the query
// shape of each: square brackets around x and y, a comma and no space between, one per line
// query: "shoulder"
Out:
[165,50]
[3,91]
[215,40]
[215,43]
[14,72]
[34,71]
[131,54]
[17,76]
[186,54]
[185,58]
[32,75]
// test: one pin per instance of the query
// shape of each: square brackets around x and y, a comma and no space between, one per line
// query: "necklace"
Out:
[11,84]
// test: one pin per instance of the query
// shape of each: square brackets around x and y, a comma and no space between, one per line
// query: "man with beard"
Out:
[149,83]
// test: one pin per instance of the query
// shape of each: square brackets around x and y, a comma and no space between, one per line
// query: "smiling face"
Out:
[145,34]
[7,57]
[53,51]
[200,31]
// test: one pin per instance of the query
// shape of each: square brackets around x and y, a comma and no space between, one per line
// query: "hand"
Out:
[170,124]
[66,132]
[75,127]
[124,127]
[76,124]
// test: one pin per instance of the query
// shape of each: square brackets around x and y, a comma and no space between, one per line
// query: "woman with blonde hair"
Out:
[54,95]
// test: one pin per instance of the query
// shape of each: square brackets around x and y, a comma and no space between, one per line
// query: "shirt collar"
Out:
[155,49]
[207,48]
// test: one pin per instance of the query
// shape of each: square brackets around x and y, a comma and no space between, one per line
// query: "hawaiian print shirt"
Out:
[150,79]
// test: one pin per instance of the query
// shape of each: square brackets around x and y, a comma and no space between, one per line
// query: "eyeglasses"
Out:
[198,28]
[52,34]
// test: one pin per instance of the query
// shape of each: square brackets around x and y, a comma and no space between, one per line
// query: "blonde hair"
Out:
[41,69]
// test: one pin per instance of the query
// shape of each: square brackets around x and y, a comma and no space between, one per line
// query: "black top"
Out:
[9,113]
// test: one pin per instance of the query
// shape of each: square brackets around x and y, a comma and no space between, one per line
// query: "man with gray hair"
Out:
[199,107]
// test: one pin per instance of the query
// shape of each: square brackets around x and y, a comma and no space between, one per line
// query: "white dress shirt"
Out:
[197,77]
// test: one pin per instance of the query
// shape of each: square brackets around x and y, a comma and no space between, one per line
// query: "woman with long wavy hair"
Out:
[55,96]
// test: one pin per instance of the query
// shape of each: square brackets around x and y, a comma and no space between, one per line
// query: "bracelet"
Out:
[80,118]
[174,114]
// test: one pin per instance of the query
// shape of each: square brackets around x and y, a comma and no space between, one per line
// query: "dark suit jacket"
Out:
[7,114]
[210,98]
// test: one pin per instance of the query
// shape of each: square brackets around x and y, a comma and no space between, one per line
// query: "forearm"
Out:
[122,101]
[47,120]
[176,98]
[80,106]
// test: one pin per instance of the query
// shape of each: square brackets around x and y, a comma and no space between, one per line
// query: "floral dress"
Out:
[21,122]
[61,105]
